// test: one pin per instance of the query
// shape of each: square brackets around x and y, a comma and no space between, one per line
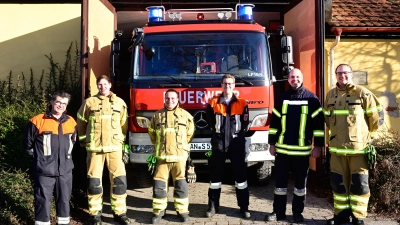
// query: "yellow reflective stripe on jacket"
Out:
[283,125]
[293,147]
[292,152]
[81,117]
[276,112]
[315,113]
[377,108]
[303,122]
[345,151]
[318,133]
[273,131]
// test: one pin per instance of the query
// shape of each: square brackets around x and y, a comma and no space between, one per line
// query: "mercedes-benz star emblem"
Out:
[199,119]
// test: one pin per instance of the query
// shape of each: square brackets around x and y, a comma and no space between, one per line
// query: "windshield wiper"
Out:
[178,81]
[245,81]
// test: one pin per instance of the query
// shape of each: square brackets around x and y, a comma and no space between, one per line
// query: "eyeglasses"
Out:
[229,84]
[60,103]
[344,73]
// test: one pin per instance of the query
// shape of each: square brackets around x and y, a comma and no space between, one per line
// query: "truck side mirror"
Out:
[287,49]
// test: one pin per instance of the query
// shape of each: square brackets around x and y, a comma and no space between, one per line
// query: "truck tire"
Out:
[138,176]
[260,173]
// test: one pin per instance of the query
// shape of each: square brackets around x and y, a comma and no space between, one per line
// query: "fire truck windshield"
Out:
[203,57]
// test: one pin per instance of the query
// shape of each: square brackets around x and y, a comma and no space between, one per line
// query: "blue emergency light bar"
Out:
[245,11]
[156,13]
[242,11]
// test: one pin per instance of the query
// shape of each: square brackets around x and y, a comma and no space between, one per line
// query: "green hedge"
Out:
[21,98]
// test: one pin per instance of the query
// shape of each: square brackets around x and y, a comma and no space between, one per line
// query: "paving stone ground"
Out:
[261,199]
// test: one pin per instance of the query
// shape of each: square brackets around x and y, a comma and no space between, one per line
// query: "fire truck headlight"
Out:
[259,120]
[145,149]
[143,122]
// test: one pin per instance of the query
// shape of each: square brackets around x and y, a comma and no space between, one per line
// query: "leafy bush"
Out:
[385,178]
[20,100]
[16,196]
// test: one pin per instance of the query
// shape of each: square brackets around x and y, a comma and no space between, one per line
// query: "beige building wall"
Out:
[380,59]
[31,31]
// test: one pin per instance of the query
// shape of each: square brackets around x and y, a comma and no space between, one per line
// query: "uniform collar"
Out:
[176,107]
[221,98]
[62,118]
[111,97]
[297,91]
[349,87]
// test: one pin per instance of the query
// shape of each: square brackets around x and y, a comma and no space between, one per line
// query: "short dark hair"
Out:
[343,64]
[105,77]
[228,76]
[172,90]
[61,94]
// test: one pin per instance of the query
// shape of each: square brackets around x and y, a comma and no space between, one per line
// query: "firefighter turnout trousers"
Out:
[160,188]
[349,180]
[284,164]
[116,168]
[43,193]
[239,168]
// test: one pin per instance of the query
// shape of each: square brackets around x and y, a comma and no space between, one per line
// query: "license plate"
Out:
[200,146]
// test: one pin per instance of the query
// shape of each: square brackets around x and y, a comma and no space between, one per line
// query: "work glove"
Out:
[125,153]
[151,163]
[190,174]
[371,156]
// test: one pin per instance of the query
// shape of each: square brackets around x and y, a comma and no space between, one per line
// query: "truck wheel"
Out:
[138,176]
[260,173]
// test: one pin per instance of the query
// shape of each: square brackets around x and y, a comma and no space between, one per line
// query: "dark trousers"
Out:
[43,193]
[217,164]
[299,166]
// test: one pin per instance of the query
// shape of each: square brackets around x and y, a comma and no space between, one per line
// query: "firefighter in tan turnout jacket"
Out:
[170,130]
[102,126]
[352,114]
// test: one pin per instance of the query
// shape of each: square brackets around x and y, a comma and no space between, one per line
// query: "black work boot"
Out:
[184,217]
[211,211]
[95,220]
[122,219]
[245,213]
[336,220]
[157,218]
[274,217]
[298,217]
[357,221]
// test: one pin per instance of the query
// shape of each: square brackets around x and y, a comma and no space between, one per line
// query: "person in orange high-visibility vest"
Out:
[49,138]
[228,117]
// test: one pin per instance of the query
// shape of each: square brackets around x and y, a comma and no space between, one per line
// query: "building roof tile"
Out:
[365,13]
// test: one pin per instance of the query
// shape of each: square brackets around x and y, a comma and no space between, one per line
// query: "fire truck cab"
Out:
[190,50]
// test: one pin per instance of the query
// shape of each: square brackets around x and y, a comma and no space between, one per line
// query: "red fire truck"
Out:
[190,50]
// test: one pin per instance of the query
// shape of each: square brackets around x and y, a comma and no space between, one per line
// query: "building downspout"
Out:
[337,32]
